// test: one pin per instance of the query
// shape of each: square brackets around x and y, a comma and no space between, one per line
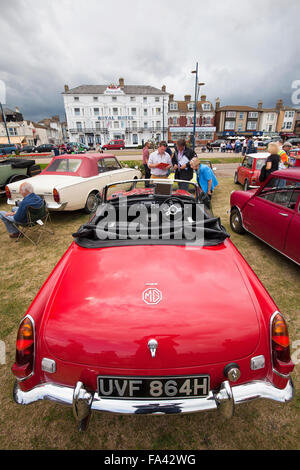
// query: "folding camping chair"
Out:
[37,220]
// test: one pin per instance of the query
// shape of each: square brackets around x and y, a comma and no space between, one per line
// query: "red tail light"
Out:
[280,345]
[23,367]
[56,195]
[7,192]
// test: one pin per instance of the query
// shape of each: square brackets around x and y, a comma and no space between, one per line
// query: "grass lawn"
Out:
[45,425]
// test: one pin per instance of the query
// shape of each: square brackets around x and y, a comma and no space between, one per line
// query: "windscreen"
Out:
[64,165]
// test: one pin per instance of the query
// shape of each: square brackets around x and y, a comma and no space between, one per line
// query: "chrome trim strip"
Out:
[240,393]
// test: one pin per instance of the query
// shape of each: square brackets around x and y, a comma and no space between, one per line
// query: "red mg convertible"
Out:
[152,310]
[272,213]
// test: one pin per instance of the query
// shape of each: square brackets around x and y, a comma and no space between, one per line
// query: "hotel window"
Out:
[229,125]
[231,114]
[241,116]
[158,111]
[253,115]
[95,98]
[114,98]
[133,111]
[96,111]
[251,126]
[158,124]
[174,106]
[145,125]
[76,98]
[12,131]
[132,98]
[115,111]
[191,106]
[79,126]
[135,139]
[145,112]
[157,99]
[145,99]
[134,125]
[77,111]
[116,124]
[98,125]
[206,107]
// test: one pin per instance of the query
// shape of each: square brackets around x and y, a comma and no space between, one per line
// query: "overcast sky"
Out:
[247,50]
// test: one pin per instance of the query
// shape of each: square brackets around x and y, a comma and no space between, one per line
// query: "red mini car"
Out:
[247,173]
[272,213]
[152,310]
[115,144]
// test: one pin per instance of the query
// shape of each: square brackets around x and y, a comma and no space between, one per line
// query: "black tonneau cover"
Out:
[17,163]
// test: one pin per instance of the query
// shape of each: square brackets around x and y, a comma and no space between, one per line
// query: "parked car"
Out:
[217,142]
[131,321]
[8,149]
[247,173]
[16,169]
[44,148]
[72,182]
[28,149]
[295,141]
[114,144]
[271,213]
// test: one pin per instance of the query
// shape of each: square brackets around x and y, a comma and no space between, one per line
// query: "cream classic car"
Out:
[72,182]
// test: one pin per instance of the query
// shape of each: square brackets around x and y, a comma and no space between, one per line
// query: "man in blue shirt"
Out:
[205,177]
[18,215]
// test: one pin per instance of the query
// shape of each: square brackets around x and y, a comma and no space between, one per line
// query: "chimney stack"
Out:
[203,97]
[187,97]
[171,97]
[279,104]
[66,88]
[121,82]
[260,104]
[163,88]
[217,104]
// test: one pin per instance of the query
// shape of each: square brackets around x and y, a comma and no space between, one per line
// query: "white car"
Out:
[72,182]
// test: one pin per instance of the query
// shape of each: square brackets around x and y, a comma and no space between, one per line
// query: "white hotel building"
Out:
[100,113]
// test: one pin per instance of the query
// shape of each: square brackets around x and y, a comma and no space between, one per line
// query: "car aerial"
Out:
[114,144]
[44,148]
[72,182]
[16,169]
[271,213]
[247,173]
[152,310]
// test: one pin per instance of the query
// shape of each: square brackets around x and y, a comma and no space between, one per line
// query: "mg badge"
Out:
[152,345]
[152,296]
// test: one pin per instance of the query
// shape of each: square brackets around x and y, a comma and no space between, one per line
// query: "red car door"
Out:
[268,214]
[292,245]
[243,170]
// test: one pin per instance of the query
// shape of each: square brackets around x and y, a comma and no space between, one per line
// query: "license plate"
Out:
[153,387]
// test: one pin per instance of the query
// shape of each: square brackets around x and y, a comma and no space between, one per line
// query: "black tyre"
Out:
[236,221]
[15,178]
[246,185]
[92,202]
[235,178]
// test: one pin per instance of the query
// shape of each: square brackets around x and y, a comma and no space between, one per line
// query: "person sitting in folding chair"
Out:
[18,215]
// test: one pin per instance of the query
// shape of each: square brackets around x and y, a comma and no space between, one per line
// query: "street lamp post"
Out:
[163,118]
[197,88]
[4,120]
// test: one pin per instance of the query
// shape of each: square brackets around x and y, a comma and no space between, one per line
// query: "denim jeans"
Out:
[9,220]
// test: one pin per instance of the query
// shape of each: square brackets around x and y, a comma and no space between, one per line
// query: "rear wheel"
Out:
[236,221]
[235,179]
[92,202]
[246,185]
[15,178]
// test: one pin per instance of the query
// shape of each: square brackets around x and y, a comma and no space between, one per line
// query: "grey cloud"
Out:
[246,50]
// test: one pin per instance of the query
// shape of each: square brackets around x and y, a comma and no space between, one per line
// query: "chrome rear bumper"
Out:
[223,400]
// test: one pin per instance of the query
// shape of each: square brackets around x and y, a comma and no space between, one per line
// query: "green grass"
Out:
[46,425]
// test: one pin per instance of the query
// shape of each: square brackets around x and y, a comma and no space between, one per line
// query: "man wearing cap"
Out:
[160,161]
[284,155]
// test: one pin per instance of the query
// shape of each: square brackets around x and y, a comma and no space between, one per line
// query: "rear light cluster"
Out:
[281,358]
[23,367]
[56,195]
[7,192]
